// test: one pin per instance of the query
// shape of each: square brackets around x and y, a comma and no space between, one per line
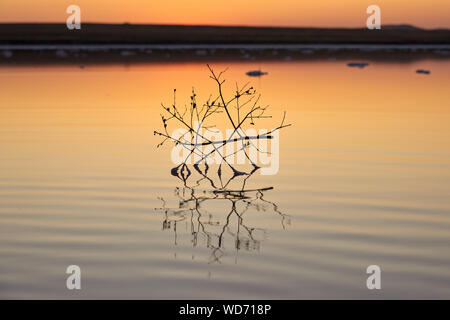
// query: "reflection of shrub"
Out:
[223,227]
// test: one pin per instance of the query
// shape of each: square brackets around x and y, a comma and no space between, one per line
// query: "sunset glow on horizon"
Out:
[293,13]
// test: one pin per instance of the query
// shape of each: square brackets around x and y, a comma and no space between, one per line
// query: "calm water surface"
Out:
[364,179]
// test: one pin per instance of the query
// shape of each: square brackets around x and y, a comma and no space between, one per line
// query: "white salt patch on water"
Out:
[61,54]
[126,53]
[201,52]
[7,54]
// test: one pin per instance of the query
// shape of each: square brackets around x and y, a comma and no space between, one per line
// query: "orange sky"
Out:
[329,13]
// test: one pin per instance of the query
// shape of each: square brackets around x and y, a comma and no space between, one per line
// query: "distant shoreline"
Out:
[98,43]
[132,54]
[244,46]
[35,33]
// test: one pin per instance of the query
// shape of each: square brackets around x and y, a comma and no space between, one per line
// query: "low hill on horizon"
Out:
[93,33]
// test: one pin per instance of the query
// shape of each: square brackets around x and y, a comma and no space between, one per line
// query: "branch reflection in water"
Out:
[230,208]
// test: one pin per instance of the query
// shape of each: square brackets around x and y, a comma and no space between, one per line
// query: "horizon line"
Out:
[406,25]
